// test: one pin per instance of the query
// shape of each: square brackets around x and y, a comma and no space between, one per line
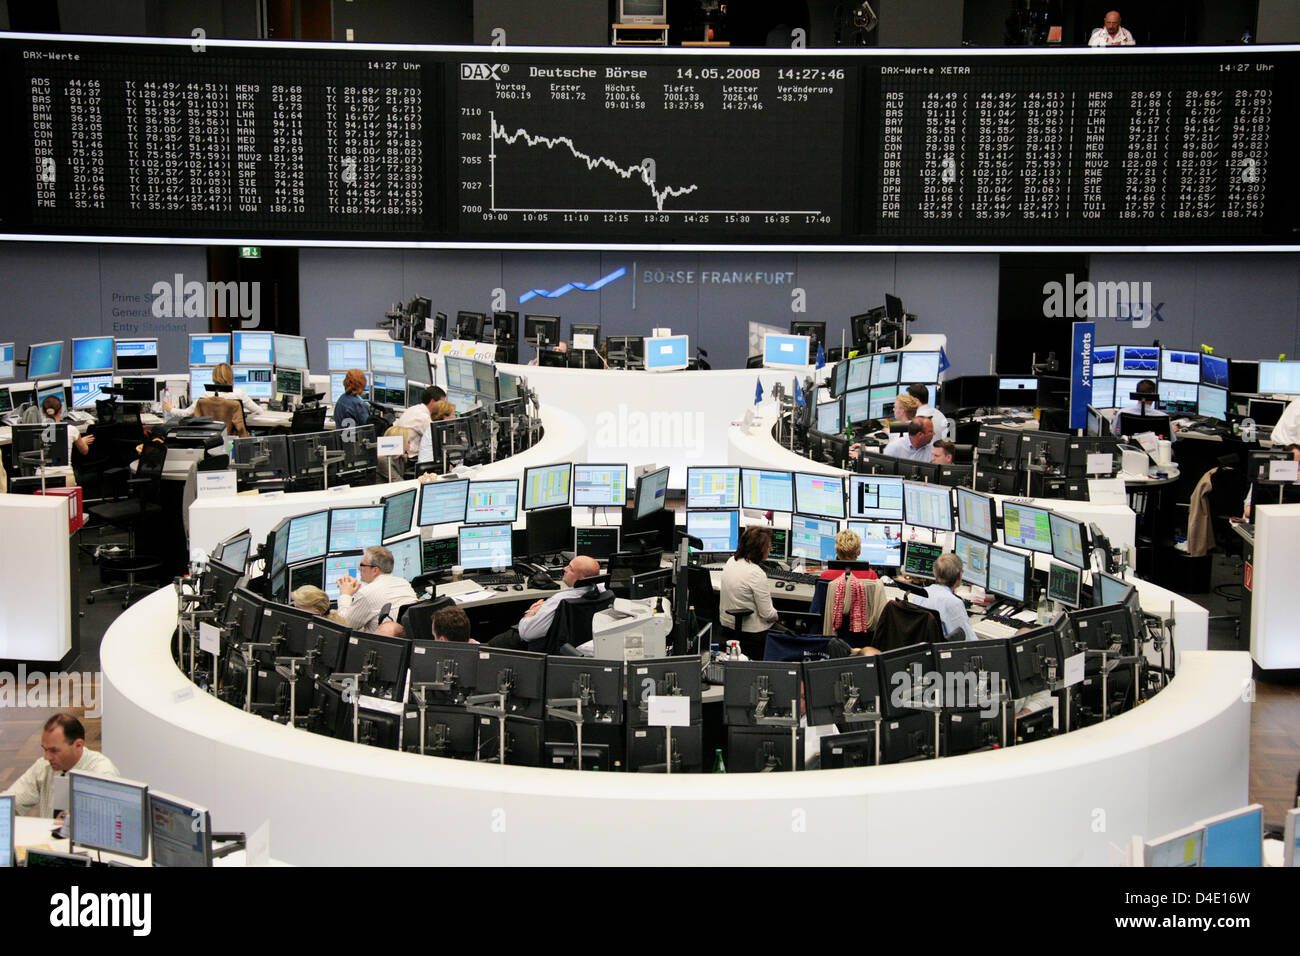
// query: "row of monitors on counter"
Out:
[82,392]
[248,348]
[101,353]
[1136,362]
[881,369]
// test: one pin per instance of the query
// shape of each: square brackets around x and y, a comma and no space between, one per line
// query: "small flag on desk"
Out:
[944,364]
[821,357]
[798,394]
[758,391]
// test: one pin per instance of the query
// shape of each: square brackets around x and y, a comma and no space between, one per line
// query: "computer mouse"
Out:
[500,587]
[518,587]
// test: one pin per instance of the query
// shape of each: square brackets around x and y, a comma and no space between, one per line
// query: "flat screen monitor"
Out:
[89,389]
[859,372]
[1177,365]
[596,542]
[885,367]
[666,353]
[1243,376]
[1214,371]
[438,554]
[460,372]
[233,551]
[6,400]
[209,349]
[6,360]
[880,401]
[876,497]
[407,557]
[975,513]
[651,492]
[858,406]
[1063,584]
[1069,540]
[1277,378]
[399,510]
[1103,393]
[92,354]
[541,330]
[352,529]
[1184,848]
[1264,411]
[1177,398]
[485,379]
[1291,839]
[712,487]
[1026,527]
[253,348]
[974,555]
[547,486]
[599,486]
[462,401]
[492,501]
[830,417]
[388,389]
[469,325]
[443,502]
[507,387]
[58,391]
[312,573]
[766,490]
[44,360]
[341,566]
[308,537]
[1235,838]
[1104,360]
[813,539]
[290,351]
[718,531]
[820,495]
[386,356]
[180,831]
[1212,402]
[1108,589]
[288,381]
[257,381]
[416,366]
[927,506]
[1139,361]
[109,813]
[1008,573]
[6,831]
[336,386]
[784,351]
[922,367]
[483,546]
[919,558]
[882,542]
[346,354]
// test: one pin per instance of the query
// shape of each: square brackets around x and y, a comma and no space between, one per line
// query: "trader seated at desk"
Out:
[922,394]
[417,418]
[744,587]
[52,409]
[64,743]
[915,445]
[1145,408]
[221,375]
[537,620]
[942,452]
[351,408]
[452,624]
[940,596]
[361,601]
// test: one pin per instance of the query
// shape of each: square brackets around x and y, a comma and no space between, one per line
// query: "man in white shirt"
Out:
[360,601]
[1145,407]
[64,743]
[939,595]
[1287,429]
[915,445]
[1112,34]
[537,619]
[940,420]
[418,416]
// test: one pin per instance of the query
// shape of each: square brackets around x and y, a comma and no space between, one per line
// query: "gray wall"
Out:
[1279,21]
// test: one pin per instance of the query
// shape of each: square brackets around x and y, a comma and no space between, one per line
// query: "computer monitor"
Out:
[346,354]
[460,372]
[780,544]
[651,492]
[1264,411]
[1069,540]
[541,330]
[885,368]
[1024,526]
[336,386]
[585,336]
[882,542]
[490,502]
[416,365]
[819,495]
[1275,378]
[289,382]
[1108,589]
[386,356]
[842,691]
[6,400]
[667,353]
[44,360]
[109,813]
[208,348]
[596,542]
[659,677]
[58,391]
[89,389]
[1104,360]
[858,406]
[918,367]
[485,380]
[758,689]
[257,381]
[598,486]
[899,688]
[765,490]
[1214,371]
[813,538]
[975,515]
[1140,361]
[1177,365]
[181,832]
[388,390]
[1008,573]
[876,497]
[308,537]
[233,551]
[408,562]
[1125,387]
[387,661]
[399,510]
[719,531]
[507,387]
[785,351]
[469,325]
[6,830]
[1035,658]
[438,554]
[312,572]
[353,529]
[92,354]
[1182,848]
[880,401]
[919,558]
[290,351]
[1235,838]
[253,348]
[927,506]
[712,487]
[443,502]
[483,546]
[857,372]
[1243,376]
[547,486]
[41,445]
[1063,584]
[521,675]
[547,531]
[200,380]
[461,401]
[1291,839]
[1212,402]
[830,417]
[812,329]
[1103,393]
[7,364]
[1177,398]
[974,554]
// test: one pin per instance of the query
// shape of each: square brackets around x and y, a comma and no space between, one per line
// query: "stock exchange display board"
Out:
[448,146]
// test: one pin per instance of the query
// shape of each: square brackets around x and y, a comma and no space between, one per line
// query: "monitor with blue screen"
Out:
[209,349]
[666,353]
[712,487]
[483,546]
[718,531]
[813,538]
[507,386]
[58,391]
[599,486]
[784,351]
[346,354]
[1142,361]
[253,348]
[340,566]
[1214,371]
[89,389]
[492,501]
[461,400]
[93,354]
[290,351]
[767,490]
[6,360]
[1235,838]
[1108,589]
[882,542]
[547,486]
[485,380]
[1026,527]
[44,360]
[443,502]
[820,495]
[1103,360]
[460,372]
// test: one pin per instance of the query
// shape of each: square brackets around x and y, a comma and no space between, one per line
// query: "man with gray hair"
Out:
[361,601]
[939,595]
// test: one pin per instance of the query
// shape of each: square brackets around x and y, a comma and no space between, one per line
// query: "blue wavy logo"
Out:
[580,286]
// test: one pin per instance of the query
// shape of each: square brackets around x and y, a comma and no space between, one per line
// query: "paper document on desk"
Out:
[1107,491]
[468,597]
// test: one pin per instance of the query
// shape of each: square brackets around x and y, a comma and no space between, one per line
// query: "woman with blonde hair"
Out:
[222,374]
[853,601]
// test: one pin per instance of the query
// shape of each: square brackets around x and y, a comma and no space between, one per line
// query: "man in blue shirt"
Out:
[915,445]
[951,608]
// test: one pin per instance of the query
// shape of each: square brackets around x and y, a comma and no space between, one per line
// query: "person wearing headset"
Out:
[52,409]
[222,374]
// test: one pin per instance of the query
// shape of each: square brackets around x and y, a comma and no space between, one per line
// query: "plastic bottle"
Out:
[718,765]
[1044,608]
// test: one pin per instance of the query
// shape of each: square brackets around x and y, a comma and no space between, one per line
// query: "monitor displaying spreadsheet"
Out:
[599,486]
[882,542]
[718,531]
[927,506]
[1026,527]
[352,529]
[485,546]
[766,490]
[813,538]
[254,348]
[109,813]
[821,495]
[547,486]
[712,487]
[346,354]
[876,497]
[492,501]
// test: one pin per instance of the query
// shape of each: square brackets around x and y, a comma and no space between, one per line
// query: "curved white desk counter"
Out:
[1180,757]
[35,580]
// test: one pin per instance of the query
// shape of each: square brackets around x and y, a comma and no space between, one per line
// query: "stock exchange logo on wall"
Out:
[575,285]
[1131,302]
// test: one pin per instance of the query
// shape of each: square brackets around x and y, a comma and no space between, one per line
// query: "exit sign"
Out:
[250,252]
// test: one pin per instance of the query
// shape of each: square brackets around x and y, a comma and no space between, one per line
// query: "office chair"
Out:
[1131,423]
[129,514]
[417,618]
[752,645]
[903,624]
[573,618]
[306,420]
[226,410]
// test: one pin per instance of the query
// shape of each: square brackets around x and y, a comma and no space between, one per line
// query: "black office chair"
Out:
[306,420]
[417,618]
[573,618]
[903,624]
[129,514]
[752,644]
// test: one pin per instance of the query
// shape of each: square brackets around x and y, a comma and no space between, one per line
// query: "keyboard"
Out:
[489,580]
[794,576]
[986,627]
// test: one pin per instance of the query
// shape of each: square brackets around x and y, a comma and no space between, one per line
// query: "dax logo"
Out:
[483,71]
[1121,301]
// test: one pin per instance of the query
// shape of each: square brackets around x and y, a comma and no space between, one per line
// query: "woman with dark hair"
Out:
[52,409]
[744,587]
[351,408]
